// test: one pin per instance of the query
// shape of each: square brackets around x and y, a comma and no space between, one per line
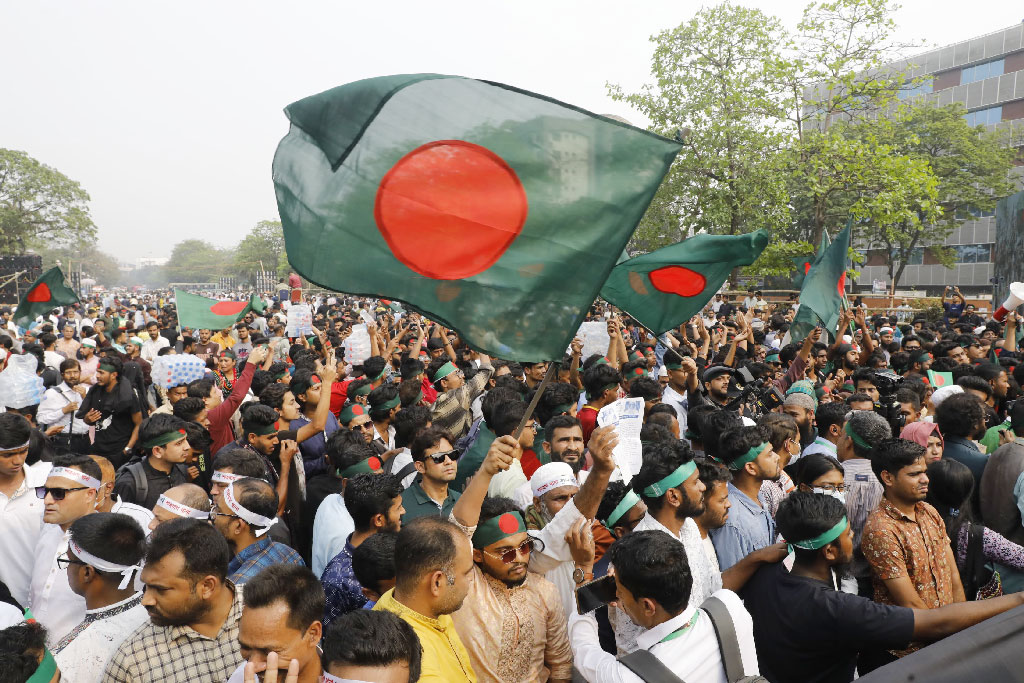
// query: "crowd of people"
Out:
[803,510]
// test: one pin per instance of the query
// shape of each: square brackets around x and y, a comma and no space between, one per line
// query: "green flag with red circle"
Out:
[45,294]
[823,290]
[496,211]
[200,313]
[666,287]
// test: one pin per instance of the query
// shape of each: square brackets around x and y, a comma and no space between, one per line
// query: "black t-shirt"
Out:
[115,426]
[808,632]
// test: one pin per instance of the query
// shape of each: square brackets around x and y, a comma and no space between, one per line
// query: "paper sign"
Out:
[627,417]
[300,320]
[594,336]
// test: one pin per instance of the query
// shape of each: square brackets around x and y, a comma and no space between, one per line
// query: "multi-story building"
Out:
[986,75]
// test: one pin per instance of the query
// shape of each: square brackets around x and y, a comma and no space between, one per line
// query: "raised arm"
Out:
[500,455]
[319,422]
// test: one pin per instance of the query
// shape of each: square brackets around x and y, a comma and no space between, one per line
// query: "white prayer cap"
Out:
[551,476]
[747,422]
[885,330]
[942,393]
[663,371]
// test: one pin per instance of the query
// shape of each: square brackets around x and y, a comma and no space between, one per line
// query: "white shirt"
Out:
[150,348]
[52,359]
[53,603]
[677,401]
[693,656]
[331,528]
[82,654]
[52,406]
[401,459]
[21,521]
[554,562]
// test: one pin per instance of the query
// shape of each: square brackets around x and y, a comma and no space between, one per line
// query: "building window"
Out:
[984,117]
[921,89]
[980,72]
[916,257]
[973,253]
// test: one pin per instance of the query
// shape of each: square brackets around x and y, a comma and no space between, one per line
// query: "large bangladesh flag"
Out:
[666,287]
[199,313]
[45,294]
[823,291]
[803,263]
[494,210]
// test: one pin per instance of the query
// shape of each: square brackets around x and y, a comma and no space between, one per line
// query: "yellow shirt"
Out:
[445,659]
[225,341]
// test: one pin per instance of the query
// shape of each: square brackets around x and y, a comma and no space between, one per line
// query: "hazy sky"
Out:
[169,113]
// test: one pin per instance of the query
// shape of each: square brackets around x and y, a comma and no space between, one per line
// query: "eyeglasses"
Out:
[214,513]
[63,561]
[56,493]
[439,458]
[366,426]
[509,556]
[838,488]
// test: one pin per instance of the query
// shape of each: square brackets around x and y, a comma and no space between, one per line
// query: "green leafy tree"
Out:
[197,261]
[262,249]
[86,258]
[39,205]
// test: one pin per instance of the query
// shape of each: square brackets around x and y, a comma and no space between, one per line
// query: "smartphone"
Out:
[594,594]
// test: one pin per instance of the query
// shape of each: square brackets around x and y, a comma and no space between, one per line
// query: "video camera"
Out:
[888,383]
[756,396]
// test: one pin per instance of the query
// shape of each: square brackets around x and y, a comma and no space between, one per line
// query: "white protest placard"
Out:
[300,320]
[357,345]
[594,336]
[627,417]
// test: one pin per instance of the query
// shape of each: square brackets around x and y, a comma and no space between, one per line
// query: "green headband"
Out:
[601,361]
[350,412]
[497,528]
[368,466]
[163,439]
[614,385]
[823,539]
[45,670]
[561,408]
[380,374]
[856,437]
[774,358]
[673,366]
[107,368]
[418,398]
[387,405]
[263,431]
[363,390]
[443,371]
[924,357]
[628,501]
[749,456]
[681,474]
[280,375]
[639,372]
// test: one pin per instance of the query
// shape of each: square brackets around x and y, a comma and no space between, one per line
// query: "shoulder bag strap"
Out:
[728,644]
[648,667]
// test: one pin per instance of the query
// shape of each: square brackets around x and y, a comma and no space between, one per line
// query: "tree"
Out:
[39,205]
[85,257]
[197,261]
[262,249]
[719,76]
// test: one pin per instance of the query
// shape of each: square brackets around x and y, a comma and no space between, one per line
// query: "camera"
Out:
[888,382]
[756,396]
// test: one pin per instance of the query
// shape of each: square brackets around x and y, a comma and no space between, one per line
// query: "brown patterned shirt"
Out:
[895,546]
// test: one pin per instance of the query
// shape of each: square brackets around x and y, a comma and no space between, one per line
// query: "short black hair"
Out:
[653,565]
[257,418]
[409,393]
[495,506]
[110,536]
[21,648]
[377,398]
[803,515]
[560,422]
[810,467]
[373,366]
[425,545]
[200,388]
[959,415]
[646,388]
[295,586]
[408,421]
[977,384]
[204,548]
[429,438]
[198,437]
[892,455]
[411,368]
[273,395]
[373,560]
[779,427]
[906,395]
[711,473]
[599,376]
[829,414]
[735,443]
[714,425]
[659,460]
[82,463]
[367,495]
[114,362]
[15,430]
[556,396]
[656,432]
[506,416]
[372,638]
[158,424]
[240,461]
[494,397]
[188,408]
[613,495]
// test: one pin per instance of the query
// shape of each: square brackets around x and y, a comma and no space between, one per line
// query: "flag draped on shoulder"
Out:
[200,313]
[45,294]
[494,210]
[821,296]
[664,288]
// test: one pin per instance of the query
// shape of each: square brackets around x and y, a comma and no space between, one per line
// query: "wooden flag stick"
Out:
[536,399]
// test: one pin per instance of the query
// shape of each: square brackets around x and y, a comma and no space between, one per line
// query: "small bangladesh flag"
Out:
[496,211]
[199,313]
[823,291]
[940,379]
[664,288]
[45,294]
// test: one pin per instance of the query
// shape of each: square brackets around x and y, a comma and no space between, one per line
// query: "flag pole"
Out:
[536,399]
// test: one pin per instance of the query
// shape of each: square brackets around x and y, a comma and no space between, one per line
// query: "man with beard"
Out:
[193,609]
[551,486]
[749,455]
[89,362]
[512,622]
[801,610]
[58,409]
[905,541]
[112,407]
[375,503]
[716,384]
[716,480]
[204,348]
[434,457]
[244,513]
[801,407]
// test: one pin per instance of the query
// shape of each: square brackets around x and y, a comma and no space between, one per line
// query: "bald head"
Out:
[106,467]
[186,494]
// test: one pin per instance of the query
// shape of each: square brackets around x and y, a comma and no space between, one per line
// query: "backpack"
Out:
[134,468]
[652,670]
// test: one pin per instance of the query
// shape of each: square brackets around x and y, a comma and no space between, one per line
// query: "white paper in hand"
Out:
[627,416]
[594,336]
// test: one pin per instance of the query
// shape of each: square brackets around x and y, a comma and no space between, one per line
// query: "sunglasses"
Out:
[56,493]
[509,556]
[439,458]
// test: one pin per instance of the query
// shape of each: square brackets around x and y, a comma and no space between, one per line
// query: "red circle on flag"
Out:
[807,267]
[841,285]
[508,523]
[450,209]
[677,280]
[373,462]
[39,294]
[228,307]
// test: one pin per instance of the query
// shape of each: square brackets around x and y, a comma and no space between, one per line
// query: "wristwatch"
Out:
[580,576]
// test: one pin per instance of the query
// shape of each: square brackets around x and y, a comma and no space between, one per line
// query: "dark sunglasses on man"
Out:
[56,493]
[525,548]
[439,458]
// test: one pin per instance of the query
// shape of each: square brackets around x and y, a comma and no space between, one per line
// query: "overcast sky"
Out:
[168,114]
